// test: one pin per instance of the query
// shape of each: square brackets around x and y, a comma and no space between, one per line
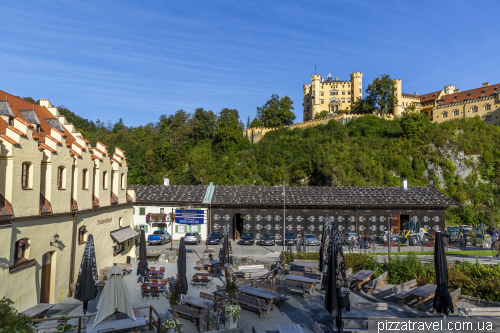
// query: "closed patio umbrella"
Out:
[114,297]
[181,266]
[323,250]
[225,249]
[337,291]
[142,267]
[442,299]
[86,284]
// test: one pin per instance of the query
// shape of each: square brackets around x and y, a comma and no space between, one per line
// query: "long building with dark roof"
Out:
[261,209]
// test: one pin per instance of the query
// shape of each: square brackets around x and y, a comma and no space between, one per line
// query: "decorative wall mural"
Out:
[289,218]
[311,227]
[299,218]
[299,235]
[248,217]
[268,217]
[373,219]
[426,219]
[361,219]
[277,236]
[258,235]
[352,219]
[311,218]
[277,218]
[216,226]
[247,226]
[341,227]
[258,218]
[227,217]
[426,227]
[277,227]
[320,227]
[414,219]
[373,228]
[436,227]
[435,219]
[381,219]
[361,228]
[216,217]
[382,228]
[341,218]
[299,227]
[352,228]
[322,218]
[258,226]
[269,227]
[289,227]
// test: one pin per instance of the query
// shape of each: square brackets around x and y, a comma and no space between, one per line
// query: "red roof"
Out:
[15,130]
[44,146]
[471,94]
[53,139]
[9,139]
[79,146]
[123,151]
[103,144]
[429,97]
[74,153]
[115,160]
[95,156]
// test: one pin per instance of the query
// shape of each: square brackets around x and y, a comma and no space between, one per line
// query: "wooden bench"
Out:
[373,284]
[304,260]
[38,311]
[369,306]
[254,274]
[403,291]
[253,303]
[317,329]
[478,312]
[306,274]
[251,266]
[295,285]
[454,299]
[185,311]
[275,289]
[213,298]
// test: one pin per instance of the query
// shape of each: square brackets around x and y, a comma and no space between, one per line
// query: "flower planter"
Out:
[205,255]
[170,330]
[231,324]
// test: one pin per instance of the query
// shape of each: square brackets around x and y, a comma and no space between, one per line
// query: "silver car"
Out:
[310,239]
[192,238]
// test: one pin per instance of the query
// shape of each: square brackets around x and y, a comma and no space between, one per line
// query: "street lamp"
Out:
[56,240]
[389,234]
[284,202]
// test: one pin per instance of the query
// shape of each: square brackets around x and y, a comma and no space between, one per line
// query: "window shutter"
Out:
[142,211]
[133,211]
[146,228]
[177,229]
[199,228]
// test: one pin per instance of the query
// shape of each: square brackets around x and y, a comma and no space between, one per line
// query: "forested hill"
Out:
[462,157]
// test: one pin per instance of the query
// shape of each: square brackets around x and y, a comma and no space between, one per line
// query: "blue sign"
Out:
[190,217]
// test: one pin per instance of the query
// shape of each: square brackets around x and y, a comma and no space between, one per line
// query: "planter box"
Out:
[231,324]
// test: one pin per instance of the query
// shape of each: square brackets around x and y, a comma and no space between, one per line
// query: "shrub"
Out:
[13,321]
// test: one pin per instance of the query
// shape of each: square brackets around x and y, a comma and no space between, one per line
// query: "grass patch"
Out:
[429,253]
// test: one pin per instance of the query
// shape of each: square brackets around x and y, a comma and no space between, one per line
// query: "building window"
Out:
[349,100]
[119,248]
[142,211]
[120,222]
[348,92]
[343,100]
[61,178]
[343,92]
[308,107]
[456,112]
[122,181]
[474,109]
[360,91]
[487,118]
[487,107]
[105,180]
[85,176]
[162,210]
[20,251]
[82,235]
[322,101]
[25,179]
[307,100]
[322,93]
[445,114]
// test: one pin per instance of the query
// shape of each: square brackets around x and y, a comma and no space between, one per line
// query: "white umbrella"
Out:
[114,297]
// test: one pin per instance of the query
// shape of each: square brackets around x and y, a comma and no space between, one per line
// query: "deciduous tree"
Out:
[381,93]
[276,112]
[229,130]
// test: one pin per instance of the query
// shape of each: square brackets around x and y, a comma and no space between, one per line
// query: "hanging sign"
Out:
[190,217]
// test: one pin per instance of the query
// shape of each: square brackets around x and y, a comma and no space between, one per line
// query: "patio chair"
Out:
[165,282]
[162,269]
[152,268]
[205,281]
[145,293]
[155,293]
[155,280]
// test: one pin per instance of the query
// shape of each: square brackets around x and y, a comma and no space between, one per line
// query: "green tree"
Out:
[322,114]
[414,124]
[202,125]
[13,321]
[276,112]
[381,93]
[362,105]
[31,100]
[228,131]
[256,122]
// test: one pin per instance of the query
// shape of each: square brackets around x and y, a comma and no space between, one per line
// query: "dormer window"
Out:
[470,93]
[38,129]
[483,91]
[11,121]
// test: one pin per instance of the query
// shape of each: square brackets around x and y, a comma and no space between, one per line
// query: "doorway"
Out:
[238,226]
[396,224]
[45,283]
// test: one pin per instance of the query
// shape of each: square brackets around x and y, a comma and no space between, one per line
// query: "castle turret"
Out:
[449,89]
[398,109]
[356,86]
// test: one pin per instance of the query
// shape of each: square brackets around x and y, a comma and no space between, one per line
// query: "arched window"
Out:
[474,109]
[487,107]
[445,114]
[456,112]
[26,175]
[61,178]
[82,235]
[20,253]
[85,179]
[122,181]
[120,222]
[105,180]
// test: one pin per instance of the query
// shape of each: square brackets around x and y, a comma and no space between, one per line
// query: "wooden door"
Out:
[395,224]
[45,284]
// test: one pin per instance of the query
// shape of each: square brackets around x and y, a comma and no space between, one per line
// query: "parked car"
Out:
[310,239]
[267,239]
[247,239]
[192,238]
[290,238]
[214,238]
[350,235]
[452,233]
[466,230]
[384,237]
[159,237]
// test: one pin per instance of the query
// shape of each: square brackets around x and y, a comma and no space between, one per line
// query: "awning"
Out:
[123,234]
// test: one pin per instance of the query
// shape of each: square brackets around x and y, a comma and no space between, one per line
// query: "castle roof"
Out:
[470,94]
[429,97]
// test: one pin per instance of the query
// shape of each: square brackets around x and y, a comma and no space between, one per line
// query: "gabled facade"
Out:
[52,182]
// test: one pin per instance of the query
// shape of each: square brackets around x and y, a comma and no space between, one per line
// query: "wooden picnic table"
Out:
[157,285]
[156,272]
[368,314]
[292,328]
[211,263]
[38,311]
[204,274]
[361,277]
[269,296]
[423,294]
[198,302]
[312,282]
[114,325]
[303,264]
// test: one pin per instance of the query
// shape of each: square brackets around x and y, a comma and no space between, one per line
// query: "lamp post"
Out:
[389,234]
[56,240]
[284,203]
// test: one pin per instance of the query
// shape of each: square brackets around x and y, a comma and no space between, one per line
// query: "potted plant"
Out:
[232,314]
[172,326]
[174,290]
[207,253]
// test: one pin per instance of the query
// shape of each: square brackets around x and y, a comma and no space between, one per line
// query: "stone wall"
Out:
[481,303]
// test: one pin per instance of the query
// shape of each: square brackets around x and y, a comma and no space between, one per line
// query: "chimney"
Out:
[416,93]
[166,181]
[486,84]
[405,183]
[456,91]
[431,184]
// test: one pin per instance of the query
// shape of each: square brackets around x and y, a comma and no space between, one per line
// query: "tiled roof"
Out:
[471,94]
[429,97]
[5,109]
[102,144]
[30,116]
[15,130]
[115,160]
[123,234]
[84,140]
[53,139]
[95,156]
[309,195]
[172,193]
[123,151]
[74,153]
[79,146]
[54,123]
[410,95]
[44,146]
[21,120]
[9,139]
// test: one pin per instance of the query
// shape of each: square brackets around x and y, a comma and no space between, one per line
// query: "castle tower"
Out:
[449,89]
[315,95]
[356,86]
[398,109]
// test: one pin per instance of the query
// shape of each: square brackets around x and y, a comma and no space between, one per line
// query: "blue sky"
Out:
[137,60]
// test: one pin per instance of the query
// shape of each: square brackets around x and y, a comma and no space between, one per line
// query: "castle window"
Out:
[307,107]
[360,91]
[25,179]
[343,92]
[487,107]
[322,101]
[445,114]
[308,100]
[322,93]
[85,179]
[474,109]
[343,100]
[20,251]
[349,100]
[61,173]
[348,92]
[487,118]
[105,180]
[456,112]
[122,181]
